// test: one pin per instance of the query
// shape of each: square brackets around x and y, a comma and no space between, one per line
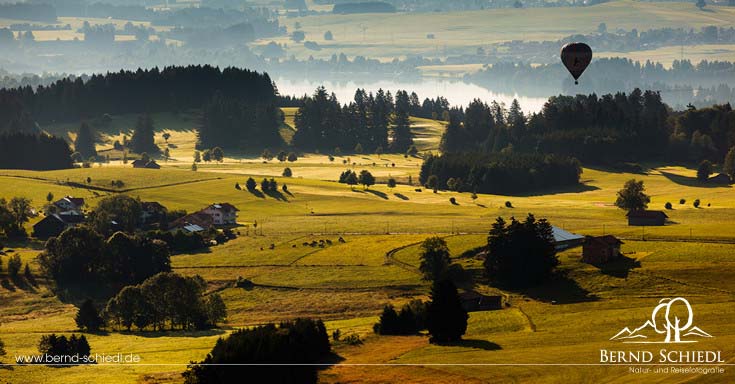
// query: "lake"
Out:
[458,93]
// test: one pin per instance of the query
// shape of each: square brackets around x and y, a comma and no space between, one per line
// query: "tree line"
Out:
[174,88]
[371,123]
[36,151]
[499,173]
[595,129]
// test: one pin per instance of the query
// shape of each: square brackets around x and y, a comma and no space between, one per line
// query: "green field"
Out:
[347,283]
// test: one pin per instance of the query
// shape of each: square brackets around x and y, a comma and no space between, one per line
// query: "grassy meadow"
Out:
[346,283]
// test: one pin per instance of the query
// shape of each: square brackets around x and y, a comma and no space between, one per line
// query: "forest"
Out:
[142,91]
[595,129]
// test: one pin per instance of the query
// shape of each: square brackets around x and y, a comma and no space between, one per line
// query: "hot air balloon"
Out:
[576,57]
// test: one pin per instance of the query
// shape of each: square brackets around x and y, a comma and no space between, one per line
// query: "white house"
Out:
[69,203]
[222,213]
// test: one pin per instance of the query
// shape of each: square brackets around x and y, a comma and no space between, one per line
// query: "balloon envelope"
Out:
[576,57]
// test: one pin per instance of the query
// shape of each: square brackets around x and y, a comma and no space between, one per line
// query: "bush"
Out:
[508,204]
[287,172]
[682,201]
[668,205]
[353,340]
[453,200]
[696,203]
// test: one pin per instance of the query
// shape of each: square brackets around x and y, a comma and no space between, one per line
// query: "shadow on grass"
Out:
[577,188]
[691,181]
[256,193]
[381,195]
[277,195]
[619,267]
[559,289]
[23,284]
[400,196]
[175,333]
[5,283]
[473,343]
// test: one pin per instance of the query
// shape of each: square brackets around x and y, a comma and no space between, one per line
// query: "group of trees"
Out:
[36,151]
[284,353]
[235,123]
[443,316]
[352,178]
[520,253]
[82,257]
[408,321]
[13,215]
[166,299]
[703,134]
[368,122]
[66,350]
[499,173]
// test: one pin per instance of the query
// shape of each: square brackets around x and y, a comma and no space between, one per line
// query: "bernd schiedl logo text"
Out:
[671,322]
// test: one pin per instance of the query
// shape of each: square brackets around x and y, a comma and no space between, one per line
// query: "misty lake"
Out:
[458,93]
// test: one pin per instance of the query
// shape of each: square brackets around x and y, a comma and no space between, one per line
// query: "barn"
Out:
[600,249]
[647,218]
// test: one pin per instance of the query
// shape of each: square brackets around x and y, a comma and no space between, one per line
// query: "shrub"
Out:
[508,204]
[682,201]
[453,200]
[287,172]
[668,205]
[353,340]
[696,203]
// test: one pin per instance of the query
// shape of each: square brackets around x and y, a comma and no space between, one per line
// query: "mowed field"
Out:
[397,35]
[346,283]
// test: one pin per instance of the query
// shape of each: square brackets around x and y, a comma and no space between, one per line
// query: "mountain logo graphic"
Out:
[672,318]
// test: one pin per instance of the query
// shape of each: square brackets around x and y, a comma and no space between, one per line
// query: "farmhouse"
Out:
[565,239]
[473,301]
[70,203]
[600,249]
[194,222]
[142,164]
[53,224]
[646,218]
[222,213]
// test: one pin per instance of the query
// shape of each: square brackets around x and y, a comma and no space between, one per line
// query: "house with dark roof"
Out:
[69,203]
[600,249]
[151,164]
[646,218]
[222,213]
[55,223]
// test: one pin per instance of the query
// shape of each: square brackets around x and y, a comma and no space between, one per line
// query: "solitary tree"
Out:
[446,320]
[287,172]
[391,183]
[434,258]
[366,179]
[197,157]
[50,197]
[704,170]
[632,197]
[166,136]
[88,318]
